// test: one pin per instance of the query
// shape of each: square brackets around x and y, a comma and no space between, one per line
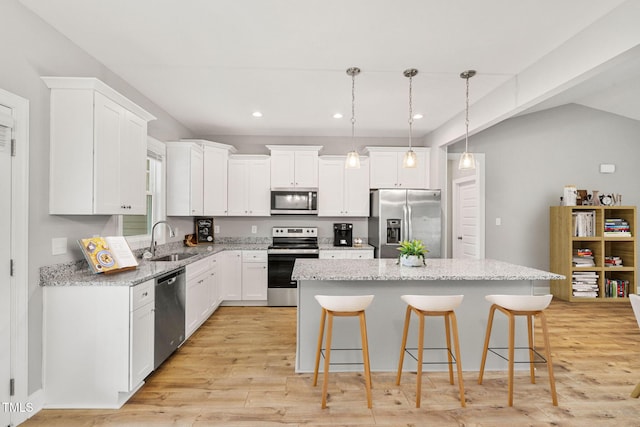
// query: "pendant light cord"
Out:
[353,109]
[410,109]
[466,119]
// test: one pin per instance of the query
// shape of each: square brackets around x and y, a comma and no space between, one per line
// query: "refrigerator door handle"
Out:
[409,223]
[404,229]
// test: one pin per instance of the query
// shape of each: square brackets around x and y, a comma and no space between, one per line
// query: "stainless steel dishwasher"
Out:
[169,314]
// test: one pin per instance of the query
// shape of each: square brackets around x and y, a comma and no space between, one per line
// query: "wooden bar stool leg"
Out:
[420,354]
[512,322]
[365,356]
[636,391]
[447,330]
[325,377]
[456,343]
[487,336]
[319,349]
[403,346]
[547,347]
[532,372]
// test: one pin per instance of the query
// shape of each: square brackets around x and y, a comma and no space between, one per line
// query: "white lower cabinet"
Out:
[231,275]
[346,254]
[203,293]
[254,275]
[98,344]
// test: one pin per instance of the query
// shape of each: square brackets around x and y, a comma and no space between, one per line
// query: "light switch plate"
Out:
[607,168]
[216,228]
[254,229]
[58,245]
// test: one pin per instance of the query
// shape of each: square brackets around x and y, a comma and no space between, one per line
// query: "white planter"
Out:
[411,260]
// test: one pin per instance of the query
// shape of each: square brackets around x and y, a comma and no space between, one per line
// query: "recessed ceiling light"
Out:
[257,114]
[337,116]
[418,116]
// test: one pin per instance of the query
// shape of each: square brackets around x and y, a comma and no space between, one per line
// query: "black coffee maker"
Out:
[343,234]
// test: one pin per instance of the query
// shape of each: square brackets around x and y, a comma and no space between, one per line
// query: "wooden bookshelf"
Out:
[563,244]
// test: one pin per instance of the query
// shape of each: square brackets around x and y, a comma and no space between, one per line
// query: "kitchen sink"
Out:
[173,257]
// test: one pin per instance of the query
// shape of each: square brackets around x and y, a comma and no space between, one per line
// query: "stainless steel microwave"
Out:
[295,201]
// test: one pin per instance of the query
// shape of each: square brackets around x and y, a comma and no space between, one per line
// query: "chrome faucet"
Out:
[152,248]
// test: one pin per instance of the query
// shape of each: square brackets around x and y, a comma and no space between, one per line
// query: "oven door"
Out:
[281,290]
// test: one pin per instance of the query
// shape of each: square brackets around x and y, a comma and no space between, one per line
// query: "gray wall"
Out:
[528,161]
[32,49]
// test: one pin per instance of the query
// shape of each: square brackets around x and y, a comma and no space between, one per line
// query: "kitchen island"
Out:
[385,317]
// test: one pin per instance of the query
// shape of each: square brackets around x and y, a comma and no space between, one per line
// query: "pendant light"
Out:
[353,159]
[410,160]
[467,161]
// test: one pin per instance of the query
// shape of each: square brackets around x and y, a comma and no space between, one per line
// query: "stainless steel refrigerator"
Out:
[398,215]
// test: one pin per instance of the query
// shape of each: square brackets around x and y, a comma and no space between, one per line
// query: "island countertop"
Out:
[435,269]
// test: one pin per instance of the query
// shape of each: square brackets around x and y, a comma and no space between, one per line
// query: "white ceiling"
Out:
[211,63]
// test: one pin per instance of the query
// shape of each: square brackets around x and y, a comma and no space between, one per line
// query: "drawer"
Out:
[361,254]
[142,294]
[254,256]
[333,254]
[198,267]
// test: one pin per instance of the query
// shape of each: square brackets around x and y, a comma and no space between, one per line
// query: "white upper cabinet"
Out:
[341,191]
[386,169]
[294,166]
[249,189]
[98,149]
[184,179]
[197,177]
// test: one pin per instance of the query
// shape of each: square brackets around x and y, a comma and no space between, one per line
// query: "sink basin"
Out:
[173,257]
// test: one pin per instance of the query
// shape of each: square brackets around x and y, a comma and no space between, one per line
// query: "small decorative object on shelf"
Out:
[412,253]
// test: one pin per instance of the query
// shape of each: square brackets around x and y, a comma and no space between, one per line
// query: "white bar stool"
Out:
[521,305]
[428,305]
[342,306]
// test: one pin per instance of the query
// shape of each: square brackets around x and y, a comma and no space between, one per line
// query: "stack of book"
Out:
[616,227]
[584,223]
[612,261]
[616,288]
[585,284]
[583,258]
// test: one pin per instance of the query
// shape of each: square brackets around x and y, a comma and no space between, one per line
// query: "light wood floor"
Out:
[237,370]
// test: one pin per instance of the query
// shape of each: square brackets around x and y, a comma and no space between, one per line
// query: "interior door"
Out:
[5,257]
[466,214]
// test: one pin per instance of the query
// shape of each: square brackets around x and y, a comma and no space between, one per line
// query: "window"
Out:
[137,228]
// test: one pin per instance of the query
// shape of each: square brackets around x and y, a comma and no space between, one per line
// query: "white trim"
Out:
[19,248]
[91,83]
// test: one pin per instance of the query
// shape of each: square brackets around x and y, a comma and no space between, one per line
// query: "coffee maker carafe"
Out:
[343,234]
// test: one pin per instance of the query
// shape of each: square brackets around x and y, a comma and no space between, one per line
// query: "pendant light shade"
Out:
[353,159]
[410,160]
[467,161]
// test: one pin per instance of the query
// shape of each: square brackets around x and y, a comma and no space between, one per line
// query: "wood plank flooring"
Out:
[238,370]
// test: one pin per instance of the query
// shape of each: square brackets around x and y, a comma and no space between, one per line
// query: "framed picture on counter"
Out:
[204,230]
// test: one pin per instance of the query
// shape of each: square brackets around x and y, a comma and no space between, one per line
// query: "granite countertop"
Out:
[329,246]
[81,275]
[436,269]
[78,273]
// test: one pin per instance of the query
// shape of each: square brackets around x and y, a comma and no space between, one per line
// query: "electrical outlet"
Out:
[498,221]
[254,229]
[216,229]
[58,245]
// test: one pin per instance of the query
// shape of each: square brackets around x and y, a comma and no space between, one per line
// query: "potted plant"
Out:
[412,253]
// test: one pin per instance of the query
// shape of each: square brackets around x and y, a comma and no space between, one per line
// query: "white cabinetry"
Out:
[386,171]
[230,269]
[184,179]
[254,275]
[197,177]
[346,254]
[203,293]
[294,166]
[98,344]
[142,332]
[249,186]
[97,149]
[342,191]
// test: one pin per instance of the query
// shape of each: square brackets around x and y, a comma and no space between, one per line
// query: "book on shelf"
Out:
[108,254]
[613,261]
[584,223]
[616,288]
[616,227]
